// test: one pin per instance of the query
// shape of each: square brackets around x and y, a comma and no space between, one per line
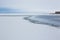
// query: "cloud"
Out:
[32,5]
[9,10]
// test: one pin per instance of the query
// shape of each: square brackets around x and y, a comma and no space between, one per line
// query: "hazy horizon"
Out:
[32,5]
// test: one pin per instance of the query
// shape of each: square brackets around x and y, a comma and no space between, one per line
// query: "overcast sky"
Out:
[32,5]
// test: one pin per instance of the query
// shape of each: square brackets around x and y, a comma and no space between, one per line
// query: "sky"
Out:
[32,5]
[10,10]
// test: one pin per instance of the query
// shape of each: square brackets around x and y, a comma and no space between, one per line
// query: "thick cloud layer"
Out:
[32,5]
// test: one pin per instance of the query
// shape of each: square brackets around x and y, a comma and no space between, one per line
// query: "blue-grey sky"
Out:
[10,10]
[32,5]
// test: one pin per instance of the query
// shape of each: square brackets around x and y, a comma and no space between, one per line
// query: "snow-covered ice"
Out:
[52,20]
[16,28]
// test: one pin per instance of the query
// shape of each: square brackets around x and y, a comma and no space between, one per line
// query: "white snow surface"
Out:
[16,28]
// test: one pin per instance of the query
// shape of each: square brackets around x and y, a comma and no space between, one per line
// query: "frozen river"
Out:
[16,28]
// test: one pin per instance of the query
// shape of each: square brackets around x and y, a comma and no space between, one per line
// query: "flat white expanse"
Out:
[16,28]
[28,13]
